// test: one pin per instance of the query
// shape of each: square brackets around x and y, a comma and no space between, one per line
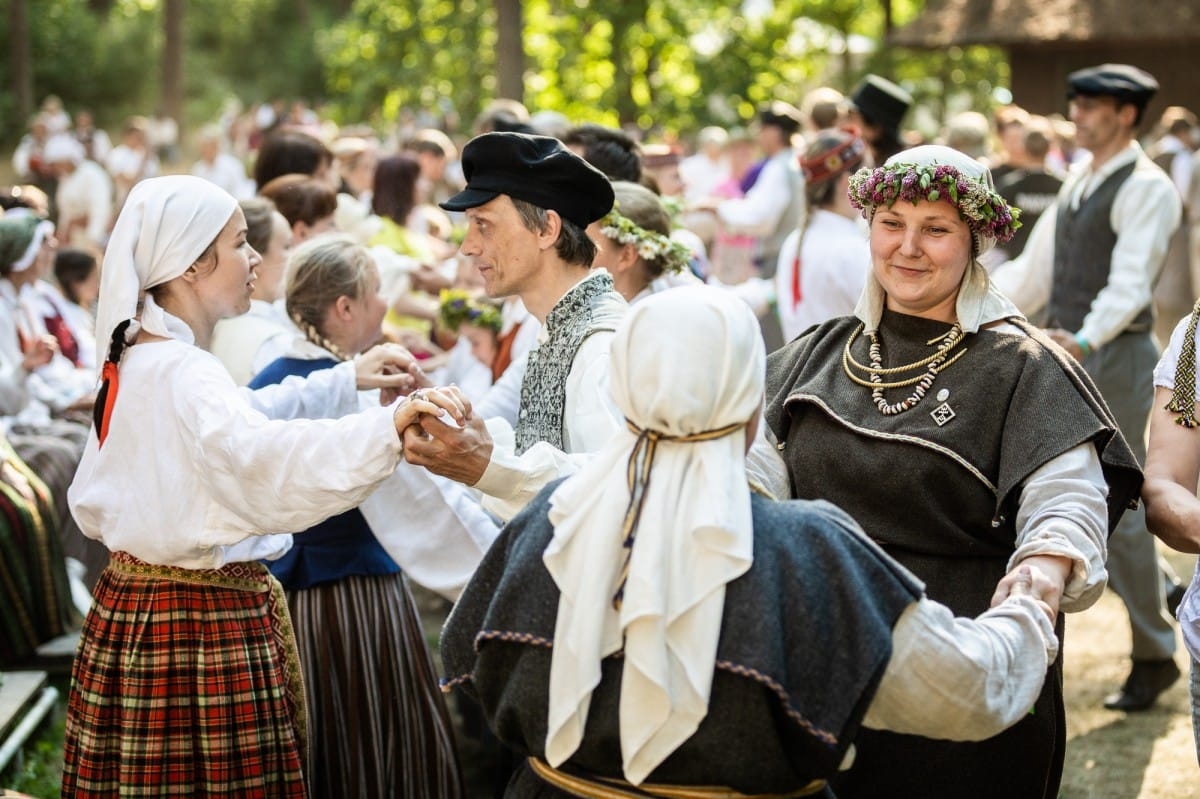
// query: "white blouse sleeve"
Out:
[434,528]
[324,394]
[283,475]
[963,679]
[1164,371]
[1064,512]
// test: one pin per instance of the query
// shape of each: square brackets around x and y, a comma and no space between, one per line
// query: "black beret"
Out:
[536,169]
[881,102]
[1126,83]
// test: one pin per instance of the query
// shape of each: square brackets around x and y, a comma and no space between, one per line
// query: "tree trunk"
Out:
[172,61]
[510,50]
[21,58]
[622,20]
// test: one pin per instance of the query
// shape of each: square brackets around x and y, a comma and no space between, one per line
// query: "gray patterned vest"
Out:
[544,388]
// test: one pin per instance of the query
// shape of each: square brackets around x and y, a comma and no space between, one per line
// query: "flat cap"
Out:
[1127,83]
[881,102]
[536,169]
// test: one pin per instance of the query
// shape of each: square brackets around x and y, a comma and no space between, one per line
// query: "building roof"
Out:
[1009,22]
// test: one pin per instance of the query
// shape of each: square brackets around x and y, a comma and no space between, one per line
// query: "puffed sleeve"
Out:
[282,475]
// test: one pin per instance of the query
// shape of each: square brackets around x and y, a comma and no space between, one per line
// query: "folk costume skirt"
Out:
[186,683]
[377,723]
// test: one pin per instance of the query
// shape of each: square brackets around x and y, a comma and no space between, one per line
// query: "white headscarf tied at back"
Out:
[978,302]
[645,568]
[164,226]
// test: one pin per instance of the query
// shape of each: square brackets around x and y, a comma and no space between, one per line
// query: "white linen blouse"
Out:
[198,473]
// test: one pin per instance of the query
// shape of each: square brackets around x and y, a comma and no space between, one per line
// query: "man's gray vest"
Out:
[1083,247]
[544,388]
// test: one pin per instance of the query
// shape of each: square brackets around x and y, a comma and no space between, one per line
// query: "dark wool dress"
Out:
[799,657]
[943,500]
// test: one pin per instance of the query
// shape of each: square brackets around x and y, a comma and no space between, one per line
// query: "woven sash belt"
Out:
[601,788]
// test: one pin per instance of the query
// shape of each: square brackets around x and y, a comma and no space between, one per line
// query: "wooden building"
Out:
[1047,39]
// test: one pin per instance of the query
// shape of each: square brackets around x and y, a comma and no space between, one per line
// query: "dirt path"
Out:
[1112,755]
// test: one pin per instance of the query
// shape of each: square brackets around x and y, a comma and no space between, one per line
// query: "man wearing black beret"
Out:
[1091,263]
[528,201]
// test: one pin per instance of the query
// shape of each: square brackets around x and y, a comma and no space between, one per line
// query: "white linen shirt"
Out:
[834,262]
[1144,215]
[87,193]
[197,473]
[227,172]
[759,212]
[962,679]
[591,416]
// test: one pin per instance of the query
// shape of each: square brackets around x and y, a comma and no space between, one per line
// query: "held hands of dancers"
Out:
[390,368]
[1042,577]
[445,404]
[459,449]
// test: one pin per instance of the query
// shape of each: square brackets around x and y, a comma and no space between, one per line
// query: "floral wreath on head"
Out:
[983,210]
[457,307]
[651,246]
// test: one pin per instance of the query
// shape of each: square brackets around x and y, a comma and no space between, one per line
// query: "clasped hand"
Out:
[392,369]
[441,434]
[1041,577]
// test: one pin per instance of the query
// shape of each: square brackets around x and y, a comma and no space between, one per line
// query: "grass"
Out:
[37,771]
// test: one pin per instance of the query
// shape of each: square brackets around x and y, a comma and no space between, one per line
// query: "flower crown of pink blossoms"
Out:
[984,211]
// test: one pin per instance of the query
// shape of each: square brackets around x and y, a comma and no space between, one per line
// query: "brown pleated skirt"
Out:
[377,723]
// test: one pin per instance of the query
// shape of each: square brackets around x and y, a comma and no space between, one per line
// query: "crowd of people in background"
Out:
[377,248]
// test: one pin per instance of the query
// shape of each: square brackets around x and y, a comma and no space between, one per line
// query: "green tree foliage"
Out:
[95,61]
[668,64]
[673,65]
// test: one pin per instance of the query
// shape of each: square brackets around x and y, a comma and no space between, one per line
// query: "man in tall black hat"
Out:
[877,107]
[1091,263]
[528,201]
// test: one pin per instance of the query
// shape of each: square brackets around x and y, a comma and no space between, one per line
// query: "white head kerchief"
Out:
[684,361]
[979,303]
[23,220]
[164,226]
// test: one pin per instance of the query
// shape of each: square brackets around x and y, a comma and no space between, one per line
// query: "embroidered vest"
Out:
[544,389]
[1083,247]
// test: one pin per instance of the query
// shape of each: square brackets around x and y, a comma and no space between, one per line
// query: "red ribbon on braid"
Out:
[110,378]
[106,398]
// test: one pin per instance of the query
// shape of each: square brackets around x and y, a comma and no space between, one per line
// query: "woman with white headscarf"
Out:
[651,622]
[186,680]
[964,442]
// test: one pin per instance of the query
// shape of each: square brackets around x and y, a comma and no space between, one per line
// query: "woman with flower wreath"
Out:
[633,242]
[962,440]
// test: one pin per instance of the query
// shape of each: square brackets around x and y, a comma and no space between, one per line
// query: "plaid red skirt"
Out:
[186,683]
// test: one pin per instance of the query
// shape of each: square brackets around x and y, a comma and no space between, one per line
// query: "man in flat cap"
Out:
[1090,264]
[528,201]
